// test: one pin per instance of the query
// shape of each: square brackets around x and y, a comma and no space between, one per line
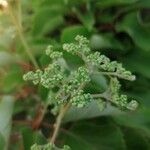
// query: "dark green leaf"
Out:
[90,136]
[110,3]
[139,34]
[141,137]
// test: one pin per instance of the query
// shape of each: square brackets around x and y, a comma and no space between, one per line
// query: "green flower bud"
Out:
[101,104]
[34,77]
[80,76]
[114,85]
[93,59]
[28,76]
[66,147]
[132,105]
[49,50]
[49,146]
[53,54]
[67,88]
[81,100]
[82,40]
[71,48]
[123,101]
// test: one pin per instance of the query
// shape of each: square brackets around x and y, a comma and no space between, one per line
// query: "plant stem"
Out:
[17,24]
[58,122]
[99,95]
[114,74]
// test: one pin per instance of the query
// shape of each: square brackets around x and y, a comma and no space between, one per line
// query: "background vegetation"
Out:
[119,29]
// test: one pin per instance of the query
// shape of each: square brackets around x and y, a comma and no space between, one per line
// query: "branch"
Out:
[58,122]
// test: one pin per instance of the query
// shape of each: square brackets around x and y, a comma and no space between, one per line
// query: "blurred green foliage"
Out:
[118,28]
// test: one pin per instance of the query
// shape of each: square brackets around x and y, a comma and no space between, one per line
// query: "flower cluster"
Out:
[113,68]
[79,99]
[81,44]
[101,104]
[80,76]
[53,54]
[49,146]
[120,100]
[82,40]
[67,87]
[49,78]
[100,62]
[73,88]
[70,86]
[33,76]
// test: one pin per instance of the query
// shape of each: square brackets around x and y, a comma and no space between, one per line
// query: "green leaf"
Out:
[143,4]
[13,80]
[31,137]
[90,111]
[139,119]
[50,3]
[110,3]
[138,62]
[6,110]
[69,33]
[136,138]
[99,41]
[94,136]
[52,24]
[144,19]
[87,19]
[72,61]
[99,83]
[139,33]
[50,19]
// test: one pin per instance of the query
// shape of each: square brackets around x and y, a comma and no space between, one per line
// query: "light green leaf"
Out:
[99,82]
[99,41]
[90,111]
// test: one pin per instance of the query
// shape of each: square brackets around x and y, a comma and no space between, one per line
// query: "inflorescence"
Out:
[70,87]
[49,146]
